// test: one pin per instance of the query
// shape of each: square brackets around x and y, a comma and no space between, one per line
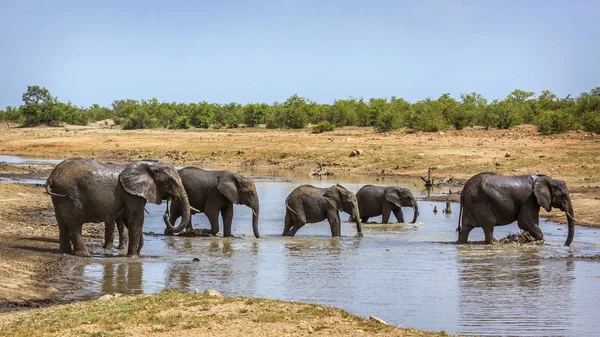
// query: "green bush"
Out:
[322,127]
[182,122]
[387,121]
[138,118]
[553,121]
[427,116]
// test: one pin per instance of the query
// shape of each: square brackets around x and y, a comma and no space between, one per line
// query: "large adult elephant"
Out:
[214,192]
[84,190]
[310,204]
[383,200]
[489,199]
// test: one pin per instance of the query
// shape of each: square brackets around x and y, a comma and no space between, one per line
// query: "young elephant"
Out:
[84,190]
[310,204]
[489,199]
[383,200]
[211,192]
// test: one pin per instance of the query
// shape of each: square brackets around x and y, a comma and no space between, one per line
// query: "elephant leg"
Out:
[109,234]
[464,234]
[386,210]
[528,220]
[227,216]
[398,214]
[122,234]
[64,237]
[364,219]
[489,234]
[213,219]
[334,223]
[135,221]
[77,239]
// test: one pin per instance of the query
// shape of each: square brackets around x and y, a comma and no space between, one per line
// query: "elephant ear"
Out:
[541,189]
[393,196]
[138,179]
[228,186]
[333,195]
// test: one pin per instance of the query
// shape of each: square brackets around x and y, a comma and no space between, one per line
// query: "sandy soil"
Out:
[29,258]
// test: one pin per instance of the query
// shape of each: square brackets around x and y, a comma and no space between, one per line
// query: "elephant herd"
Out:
[84,190]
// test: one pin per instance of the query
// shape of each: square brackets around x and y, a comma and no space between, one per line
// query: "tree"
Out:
[202,114]
[295,112]
[38,107]
[427,115]
[254,113]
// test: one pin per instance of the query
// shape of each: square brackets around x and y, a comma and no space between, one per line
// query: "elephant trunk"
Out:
[356,216]
[255,211]
[571,223]
[182,200]
[416,210]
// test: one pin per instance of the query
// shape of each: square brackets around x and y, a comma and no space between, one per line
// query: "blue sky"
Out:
[265,51]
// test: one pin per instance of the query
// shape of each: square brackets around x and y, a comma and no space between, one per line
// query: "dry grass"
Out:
[172,313]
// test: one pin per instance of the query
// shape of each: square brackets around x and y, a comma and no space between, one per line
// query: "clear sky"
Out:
[265,51]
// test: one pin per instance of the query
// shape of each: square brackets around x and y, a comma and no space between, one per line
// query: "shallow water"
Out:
[410,275]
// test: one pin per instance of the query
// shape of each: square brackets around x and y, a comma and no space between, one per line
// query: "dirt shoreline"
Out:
[29,257]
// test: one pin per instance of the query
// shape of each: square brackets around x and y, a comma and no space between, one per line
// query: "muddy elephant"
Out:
[214,192]
[489,199]
[84,190]
[383,200]
[310,204]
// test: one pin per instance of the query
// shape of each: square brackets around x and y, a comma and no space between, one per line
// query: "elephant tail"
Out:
[460,213]
[291,210]
[49,187]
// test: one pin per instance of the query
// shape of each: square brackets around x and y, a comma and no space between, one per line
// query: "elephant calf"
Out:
[383,200]
[214,192]
[489,199]
[310,204]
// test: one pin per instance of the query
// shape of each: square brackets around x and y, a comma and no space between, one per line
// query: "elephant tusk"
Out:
[254,212]
[194,210]
[572,218]
[146,210]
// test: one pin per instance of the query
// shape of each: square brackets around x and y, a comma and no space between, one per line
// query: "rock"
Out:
[507,154]
[421,154]
[542,155]
[212,293]
[196,259]
[378,320]
[355,153]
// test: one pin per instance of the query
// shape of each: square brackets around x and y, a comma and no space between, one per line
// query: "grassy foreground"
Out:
[190,314]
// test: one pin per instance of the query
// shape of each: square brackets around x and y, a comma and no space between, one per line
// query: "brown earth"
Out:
[29,258]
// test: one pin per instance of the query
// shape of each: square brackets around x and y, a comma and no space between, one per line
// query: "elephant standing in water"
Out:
[383,200]
[84,190]
[214,192]
[310,204]
[489,199]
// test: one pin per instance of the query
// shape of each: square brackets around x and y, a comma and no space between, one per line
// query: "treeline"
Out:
[550,113]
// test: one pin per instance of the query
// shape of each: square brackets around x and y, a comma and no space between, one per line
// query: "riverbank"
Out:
[174,313]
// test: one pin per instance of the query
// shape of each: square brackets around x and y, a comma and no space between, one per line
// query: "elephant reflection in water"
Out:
[511,287]
[122,277]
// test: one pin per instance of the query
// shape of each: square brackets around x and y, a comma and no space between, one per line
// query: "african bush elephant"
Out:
[310,204]
[383,200]
[211,192]
[84,190]
[489,199]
